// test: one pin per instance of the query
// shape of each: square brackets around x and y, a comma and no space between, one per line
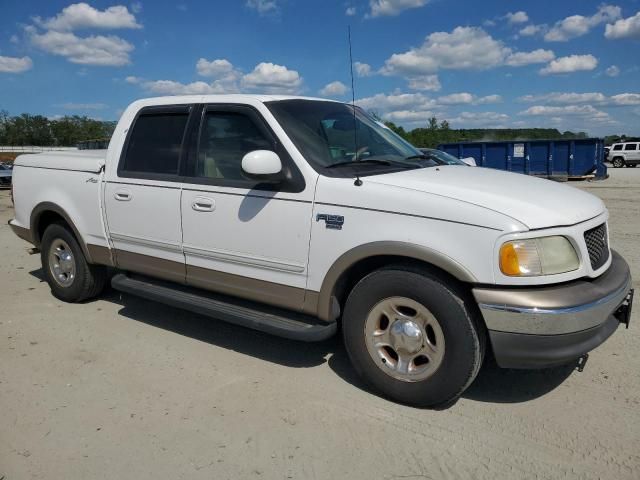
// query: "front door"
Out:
[239,237]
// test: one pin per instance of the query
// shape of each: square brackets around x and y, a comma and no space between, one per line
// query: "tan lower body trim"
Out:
[152,266]
[100,255]
[275,294]
[278,295]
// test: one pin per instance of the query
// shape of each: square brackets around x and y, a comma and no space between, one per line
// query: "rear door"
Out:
[142,202]
[631,151]
[240,237]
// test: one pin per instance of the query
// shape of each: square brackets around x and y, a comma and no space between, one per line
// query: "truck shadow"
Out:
[492,385]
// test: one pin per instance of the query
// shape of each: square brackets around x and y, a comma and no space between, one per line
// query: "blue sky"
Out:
[571,64]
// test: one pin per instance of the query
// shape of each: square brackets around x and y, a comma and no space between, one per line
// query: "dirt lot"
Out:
[122,388]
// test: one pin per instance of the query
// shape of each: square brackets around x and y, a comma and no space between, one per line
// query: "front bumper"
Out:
[551,325]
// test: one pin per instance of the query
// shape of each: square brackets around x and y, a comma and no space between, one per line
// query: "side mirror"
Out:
[262,165]
[469,161]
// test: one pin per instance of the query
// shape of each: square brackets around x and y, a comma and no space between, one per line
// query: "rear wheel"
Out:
[618,162]
[413,336]
[68,274]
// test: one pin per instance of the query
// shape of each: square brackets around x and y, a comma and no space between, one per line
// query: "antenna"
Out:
[358,182]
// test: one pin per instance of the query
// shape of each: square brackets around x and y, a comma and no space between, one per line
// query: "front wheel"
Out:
[618,162]
[68,274]
[413,336]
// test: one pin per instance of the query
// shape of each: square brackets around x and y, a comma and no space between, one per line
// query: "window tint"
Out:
[617,147]
[631,146]
[154,145]
[225,138]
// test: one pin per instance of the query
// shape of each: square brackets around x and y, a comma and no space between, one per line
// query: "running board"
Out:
[281,323]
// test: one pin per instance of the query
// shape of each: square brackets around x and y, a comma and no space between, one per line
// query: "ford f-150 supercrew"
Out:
[301,217]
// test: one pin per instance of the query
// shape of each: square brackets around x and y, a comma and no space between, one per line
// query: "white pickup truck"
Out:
[299,217]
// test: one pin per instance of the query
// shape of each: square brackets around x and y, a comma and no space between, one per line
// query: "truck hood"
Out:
[536,203]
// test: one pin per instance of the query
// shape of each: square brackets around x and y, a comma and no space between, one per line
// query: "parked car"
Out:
[625,154]
[444,158]
[297,216]
[6,174]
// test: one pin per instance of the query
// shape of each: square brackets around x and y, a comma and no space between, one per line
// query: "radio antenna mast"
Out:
[358,182]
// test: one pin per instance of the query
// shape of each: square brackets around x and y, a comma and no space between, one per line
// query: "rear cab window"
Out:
[154,145]
[631,146]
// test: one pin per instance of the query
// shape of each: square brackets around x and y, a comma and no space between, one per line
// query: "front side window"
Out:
[631,146]
[154,145]
[617,147]
[225,138]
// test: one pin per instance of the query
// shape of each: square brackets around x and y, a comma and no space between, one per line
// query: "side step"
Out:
[281,323]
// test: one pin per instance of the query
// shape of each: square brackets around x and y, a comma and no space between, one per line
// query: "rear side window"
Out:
[155,144]
[617,147]
[631,146]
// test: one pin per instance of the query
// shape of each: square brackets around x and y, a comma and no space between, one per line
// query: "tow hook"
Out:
[582,362]
[623,313]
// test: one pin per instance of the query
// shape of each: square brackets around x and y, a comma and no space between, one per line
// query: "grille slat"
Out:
[597,245]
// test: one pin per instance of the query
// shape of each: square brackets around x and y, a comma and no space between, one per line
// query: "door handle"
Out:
[122,196]
[203,204]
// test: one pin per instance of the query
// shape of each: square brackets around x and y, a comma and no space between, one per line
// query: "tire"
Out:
[618,162]
[453,356]
[65,267]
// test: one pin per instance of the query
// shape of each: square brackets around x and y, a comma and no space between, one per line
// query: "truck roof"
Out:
[226,98]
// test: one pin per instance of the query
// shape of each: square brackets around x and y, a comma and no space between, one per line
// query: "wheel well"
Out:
[45,219]
[356,272]
[618,157]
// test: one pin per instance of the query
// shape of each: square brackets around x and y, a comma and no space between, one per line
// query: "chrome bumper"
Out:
[544,326]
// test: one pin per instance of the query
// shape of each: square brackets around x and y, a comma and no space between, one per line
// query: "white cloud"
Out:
[592,98]
[626,99]
[362,69]
[465,48]
[263,7]
[94,50]
[531,30]
[456,99]
[81,16]
[572,63]
[214,68]
[425,82]
[466,98]
[350,11]
[136,7]
[570,110]
[612,71]
[271,78]
[333,89]
[578,25]
[381,8]
[483,119]
[540,55]
[566,98]
[14,39]
[83,106]
[15,64]
[624,28]
[133,80]
[170,87]
[396,101]
[517,17]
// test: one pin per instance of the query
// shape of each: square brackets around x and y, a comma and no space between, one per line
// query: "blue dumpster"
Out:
[560,159]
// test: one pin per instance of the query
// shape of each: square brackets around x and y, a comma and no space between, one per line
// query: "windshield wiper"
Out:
[416,157]
[358,162]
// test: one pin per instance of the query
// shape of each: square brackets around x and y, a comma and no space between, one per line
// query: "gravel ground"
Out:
[124,388]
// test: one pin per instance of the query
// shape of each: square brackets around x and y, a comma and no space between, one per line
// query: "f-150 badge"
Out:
[334,222]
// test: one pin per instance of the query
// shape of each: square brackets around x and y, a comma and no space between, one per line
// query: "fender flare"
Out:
[325,307]
[44,207]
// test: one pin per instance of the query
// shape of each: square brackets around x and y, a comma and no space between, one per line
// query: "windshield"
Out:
[443,158]
[327,134]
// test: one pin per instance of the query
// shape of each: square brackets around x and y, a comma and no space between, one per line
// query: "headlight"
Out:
[538,256]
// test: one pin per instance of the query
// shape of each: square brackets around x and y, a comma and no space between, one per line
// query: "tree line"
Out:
[41,131]
[437,132]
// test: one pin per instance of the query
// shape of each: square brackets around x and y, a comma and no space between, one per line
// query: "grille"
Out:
[597,245]
[5,181]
